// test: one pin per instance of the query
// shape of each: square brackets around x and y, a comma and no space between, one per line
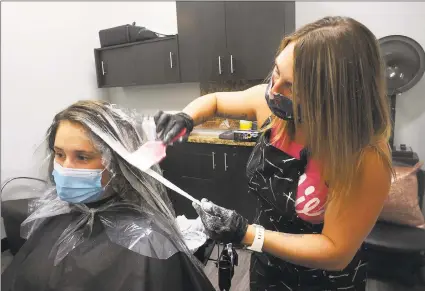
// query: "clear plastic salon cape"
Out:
[110,246]
[126,241]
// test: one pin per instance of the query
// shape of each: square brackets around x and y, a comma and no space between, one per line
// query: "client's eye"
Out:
[59,155]
[83,158]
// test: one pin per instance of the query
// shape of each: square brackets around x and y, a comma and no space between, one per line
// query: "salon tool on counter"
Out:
[240,135]
[245,125]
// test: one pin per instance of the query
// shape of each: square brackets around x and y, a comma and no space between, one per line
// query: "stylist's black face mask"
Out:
[280,105]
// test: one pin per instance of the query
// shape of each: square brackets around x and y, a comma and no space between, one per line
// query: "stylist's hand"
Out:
[170,125]
[220,223]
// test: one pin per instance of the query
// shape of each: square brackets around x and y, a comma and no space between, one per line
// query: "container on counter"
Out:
[245,125]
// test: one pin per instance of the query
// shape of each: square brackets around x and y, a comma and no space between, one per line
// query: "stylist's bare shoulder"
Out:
[249,104]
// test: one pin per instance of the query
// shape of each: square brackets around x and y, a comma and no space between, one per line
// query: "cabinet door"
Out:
[215,172]
[196,187]
[233,183]
[254,31]
[193,168]
[191,160]
[142,63]
[202,40]
[156,62]
[116,66]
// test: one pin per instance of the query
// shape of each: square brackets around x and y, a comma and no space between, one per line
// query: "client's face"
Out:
[75,149]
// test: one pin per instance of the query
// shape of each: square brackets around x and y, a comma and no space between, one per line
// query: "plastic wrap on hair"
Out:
[157,196]
[161,201]
[142,184]
[123,143]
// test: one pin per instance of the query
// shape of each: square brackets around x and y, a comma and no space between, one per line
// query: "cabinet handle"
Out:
[213,160]
[103,68]
[225,162]
[171,60]
[219,65]
[232,69]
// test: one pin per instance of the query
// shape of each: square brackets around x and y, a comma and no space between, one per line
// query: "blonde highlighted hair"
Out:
[338,80]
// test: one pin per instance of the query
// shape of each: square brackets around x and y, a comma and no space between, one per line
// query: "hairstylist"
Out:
[322,168]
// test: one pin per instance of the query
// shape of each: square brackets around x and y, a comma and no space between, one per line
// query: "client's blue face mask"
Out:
[77,185]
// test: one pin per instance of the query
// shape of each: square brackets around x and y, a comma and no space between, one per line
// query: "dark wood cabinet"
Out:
[192,168]
[231,40]
[142,63]
[232,180]
[254,30]
[202,40]
[216,41]
[215,172]
[157,62]
[116,66]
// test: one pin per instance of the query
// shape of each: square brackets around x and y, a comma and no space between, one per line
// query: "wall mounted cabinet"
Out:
[202,40]
[217,41]
[142,63]
[235,40]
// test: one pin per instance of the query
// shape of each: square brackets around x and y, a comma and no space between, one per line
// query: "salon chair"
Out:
[396,252]
[15,197]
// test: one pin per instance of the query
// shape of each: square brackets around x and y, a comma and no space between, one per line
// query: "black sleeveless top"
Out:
[273,178]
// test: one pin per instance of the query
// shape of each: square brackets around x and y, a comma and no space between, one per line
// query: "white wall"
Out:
[47,63]
[148,99]
[385,18]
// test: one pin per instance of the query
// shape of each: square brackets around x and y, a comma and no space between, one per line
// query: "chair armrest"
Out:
[397,238]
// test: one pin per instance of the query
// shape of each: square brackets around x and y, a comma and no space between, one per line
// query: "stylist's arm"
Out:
[346,225]
[235,105]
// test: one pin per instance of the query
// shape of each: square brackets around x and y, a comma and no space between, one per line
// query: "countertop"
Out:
[216,140]
[207,133]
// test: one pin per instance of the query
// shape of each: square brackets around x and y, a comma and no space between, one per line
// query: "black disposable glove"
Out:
[221,224]
[170,126]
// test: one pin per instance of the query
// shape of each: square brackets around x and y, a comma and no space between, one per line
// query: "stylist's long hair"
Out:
[340,85]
